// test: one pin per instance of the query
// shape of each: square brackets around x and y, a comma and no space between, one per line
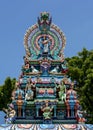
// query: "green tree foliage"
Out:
[81,70]
[6,91]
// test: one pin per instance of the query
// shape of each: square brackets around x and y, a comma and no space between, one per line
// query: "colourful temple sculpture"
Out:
[43,92]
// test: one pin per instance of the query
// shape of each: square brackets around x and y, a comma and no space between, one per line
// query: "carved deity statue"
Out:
[29,92]
[29,95]
[10,113]
[19,103]
[55,70]
[30,84]
[47,111]
[34,70]
[62,92]
[44,44]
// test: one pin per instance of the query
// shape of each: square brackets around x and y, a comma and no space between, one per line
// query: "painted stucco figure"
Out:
[62,92]
[47,111]
[10,113]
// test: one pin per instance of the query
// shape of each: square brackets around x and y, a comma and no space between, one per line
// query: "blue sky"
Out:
[74,17]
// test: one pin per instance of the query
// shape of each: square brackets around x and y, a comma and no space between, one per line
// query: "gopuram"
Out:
[43,93]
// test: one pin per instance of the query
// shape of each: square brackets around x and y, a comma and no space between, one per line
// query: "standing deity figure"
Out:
[47,111]
[30,84]
[19,103]
[29,93]
[62,92]
[45,44]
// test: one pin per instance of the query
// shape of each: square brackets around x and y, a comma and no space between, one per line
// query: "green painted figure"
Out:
[47,111]
[62,92]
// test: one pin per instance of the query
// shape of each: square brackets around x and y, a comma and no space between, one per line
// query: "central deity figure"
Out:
[45,43]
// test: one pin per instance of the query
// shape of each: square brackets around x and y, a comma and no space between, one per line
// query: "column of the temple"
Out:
[54,111]
[23,112]
[19,111]
[55,90]
[68,112]
[37,111]
[72,112]
[75,112]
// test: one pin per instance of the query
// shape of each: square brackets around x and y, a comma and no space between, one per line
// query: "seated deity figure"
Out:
[62,92]
[34,70]
[47,111]
[55,70]
[10,113]
[81,119]
[52,80]
[29,95]
[79,113]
